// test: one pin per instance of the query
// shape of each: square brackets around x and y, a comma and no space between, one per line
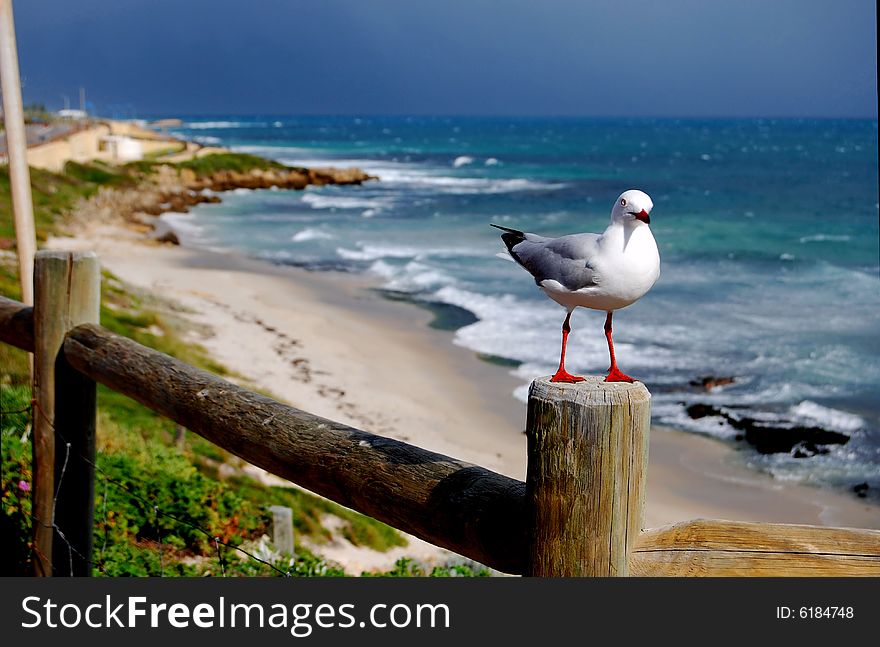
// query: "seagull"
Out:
[606,271]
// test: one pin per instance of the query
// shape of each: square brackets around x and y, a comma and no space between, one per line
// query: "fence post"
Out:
[585,484]
[282,528]
[67,288]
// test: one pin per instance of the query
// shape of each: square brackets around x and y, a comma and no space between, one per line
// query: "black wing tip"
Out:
[507,229]
[511,238]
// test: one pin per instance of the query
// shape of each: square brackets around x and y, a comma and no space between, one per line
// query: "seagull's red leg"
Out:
[562,375]
[614,374]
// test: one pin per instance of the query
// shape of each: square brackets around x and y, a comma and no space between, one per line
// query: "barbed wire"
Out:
[34,408]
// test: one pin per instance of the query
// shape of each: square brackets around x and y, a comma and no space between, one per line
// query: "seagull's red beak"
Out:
[644,217]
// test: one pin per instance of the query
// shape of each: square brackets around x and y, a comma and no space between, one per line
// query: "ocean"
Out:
[767,230]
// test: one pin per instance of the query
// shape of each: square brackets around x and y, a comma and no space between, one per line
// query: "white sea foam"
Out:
[491,161]
[821,238]
[506,326]
[382,269]
[286,154]
[325,201]
[412,277]
[216,125]
[186,228]
[309,233]
[460,185]
[462,160]
[270,217]
[372,252]
[676,416]
[521,392]
[376,252]
[826,417]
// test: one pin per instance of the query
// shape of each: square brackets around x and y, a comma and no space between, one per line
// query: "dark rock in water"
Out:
[163,233]
[797,440]
[861,490]
[801,442]
[499,361]
[710,382]
[168,237]
[697,411]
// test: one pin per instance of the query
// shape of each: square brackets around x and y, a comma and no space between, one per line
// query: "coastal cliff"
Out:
[138,193]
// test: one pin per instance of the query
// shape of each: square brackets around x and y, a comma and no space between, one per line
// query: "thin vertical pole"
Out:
[16,148]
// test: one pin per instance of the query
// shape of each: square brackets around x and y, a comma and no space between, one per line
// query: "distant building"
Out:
[121,148]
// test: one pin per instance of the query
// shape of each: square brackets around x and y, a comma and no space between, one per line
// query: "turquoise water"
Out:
[767,229]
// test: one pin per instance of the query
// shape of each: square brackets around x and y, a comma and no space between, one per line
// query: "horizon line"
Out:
[355,115]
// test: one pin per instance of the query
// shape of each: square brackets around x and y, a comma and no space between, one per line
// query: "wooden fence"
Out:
[579,513]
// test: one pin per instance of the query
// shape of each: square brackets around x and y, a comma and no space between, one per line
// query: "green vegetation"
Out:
[159,503]
[239,162]
[55,194]
[157,510]
[96,174]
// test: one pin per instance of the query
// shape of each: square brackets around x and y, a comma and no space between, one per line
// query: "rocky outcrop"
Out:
[281,178]
[175,190]
[709,382]
[798,440]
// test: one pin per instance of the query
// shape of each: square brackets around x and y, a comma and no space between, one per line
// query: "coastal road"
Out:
[43,133]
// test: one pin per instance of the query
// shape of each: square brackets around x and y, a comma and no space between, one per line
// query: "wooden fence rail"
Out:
[579,513]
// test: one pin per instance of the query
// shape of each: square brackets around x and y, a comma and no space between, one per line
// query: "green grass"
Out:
[55,194]
[239,162]
[13,362]
[157,511]
[97,174]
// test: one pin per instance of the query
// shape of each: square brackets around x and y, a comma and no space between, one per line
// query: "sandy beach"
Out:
[326,343]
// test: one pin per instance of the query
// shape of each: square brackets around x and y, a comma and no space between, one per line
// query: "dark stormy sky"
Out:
[807,58]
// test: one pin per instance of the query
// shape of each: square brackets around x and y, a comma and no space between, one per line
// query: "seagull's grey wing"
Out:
[565,260]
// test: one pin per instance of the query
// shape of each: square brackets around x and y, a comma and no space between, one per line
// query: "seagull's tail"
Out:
[511,237]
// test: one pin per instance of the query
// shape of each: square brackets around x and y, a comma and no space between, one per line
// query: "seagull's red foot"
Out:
[614,375]
[564,376]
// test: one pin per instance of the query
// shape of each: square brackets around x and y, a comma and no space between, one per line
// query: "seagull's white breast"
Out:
[626,266]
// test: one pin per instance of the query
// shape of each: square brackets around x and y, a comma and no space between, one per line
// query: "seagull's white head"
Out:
[632,207]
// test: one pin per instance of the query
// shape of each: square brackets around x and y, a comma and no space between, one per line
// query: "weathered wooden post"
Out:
[587,467]
[282,528]
[67,287]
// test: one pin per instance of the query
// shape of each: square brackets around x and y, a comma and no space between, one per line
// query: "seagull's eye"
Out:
[623,202]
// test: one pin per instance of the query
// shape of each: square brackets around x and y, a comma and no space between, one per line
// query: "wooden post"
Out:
[68,291]
[282,528]
[587,466]
[179,437]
